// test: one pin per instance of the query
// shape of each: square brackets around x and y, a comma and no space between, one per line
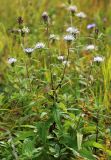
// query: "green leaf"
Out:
[57,119]
[43,114]
[62,106]
[28,148]
[79,140]
[24,134]
[42,128]
[98,145]
[28,126]
[87,154]
[89,129]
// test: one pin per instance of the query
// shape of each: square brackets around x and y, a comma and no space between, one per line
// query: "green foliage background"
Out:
[38,121]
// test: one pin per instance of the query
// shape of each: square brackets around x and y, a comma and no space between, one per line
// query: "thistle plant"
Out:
[55,81]
[68,39]
[28,52]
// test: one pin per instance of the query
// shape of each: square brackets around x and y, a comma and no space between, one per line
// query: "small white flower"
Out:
[28,50]
[39,45]
[25,29]
[60,57]
[72,30]
[72,8]
[66,63]
[91,47]
[12,60]
[19,30]
[81,15]
[68,38]
[98,59]
[53,37]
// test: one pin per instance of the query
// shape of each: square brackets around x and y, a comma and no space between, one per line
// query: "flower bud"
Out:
[45,16]
[20,20]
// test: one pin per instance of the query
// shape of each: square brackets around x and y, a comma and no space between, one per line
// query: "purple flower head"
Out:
[90,26]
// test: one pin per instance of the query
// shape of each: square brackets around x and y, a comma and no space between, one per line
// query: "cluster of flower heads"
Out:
[38,45]
[28,51]
[23,30]
[73,9]
[72,30]
[71,36]
[64,62]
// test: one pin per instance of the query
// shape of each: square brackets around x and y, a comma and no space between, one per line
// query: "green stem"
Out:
[28,76]
[64,70]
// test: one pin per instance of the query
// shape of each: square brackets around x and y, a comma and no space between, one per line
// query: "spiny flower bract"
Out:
[72,30]
[12,60]
[39,45]
[72,8]
[81,15]
[69,38]
[98,59]
[28,51]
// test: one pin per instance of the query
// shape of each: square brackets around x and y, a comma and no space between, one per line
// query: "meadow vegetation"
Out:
[55,80]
